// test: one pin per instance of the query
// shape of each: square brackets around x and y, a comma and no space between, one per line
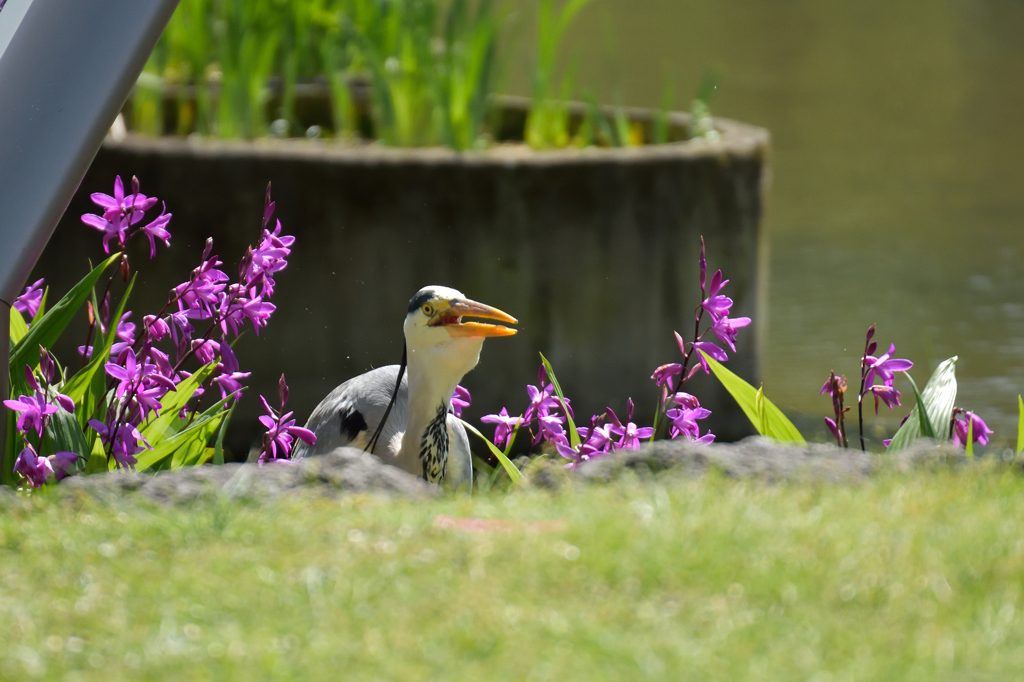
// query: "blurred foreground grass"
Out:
[914,576]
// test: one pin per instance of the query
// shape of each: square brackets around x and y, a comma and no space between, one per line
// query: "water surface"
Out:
[896,193]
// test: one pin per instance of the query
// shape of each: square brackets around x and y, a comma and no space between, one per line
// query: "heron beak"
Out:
[451,319]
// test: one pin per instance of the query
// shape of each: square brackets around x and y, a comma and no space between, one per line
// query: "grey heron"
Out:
[412,425]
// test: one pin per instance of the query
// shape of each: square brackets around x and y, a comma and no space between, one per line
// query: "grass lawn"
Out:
[906,577]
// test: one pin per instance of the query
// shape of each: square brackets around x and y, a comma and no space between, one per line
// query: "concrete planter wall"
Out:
[595,251]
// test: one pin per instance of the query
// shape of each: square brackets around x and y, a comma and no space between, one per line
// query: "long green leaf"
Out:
[195,450]
[199,431]
[87,384]
[63,434]
[778,425]
[969,447]
[574,436]
[510,468]
[18,327]
[218,450]
[1020,424]
[938,397]
[50,326]
[927,428]
[41,310]
[172,403]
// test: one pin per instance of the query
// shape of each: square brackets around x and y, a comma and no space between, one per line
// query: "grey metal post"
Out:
[66,69]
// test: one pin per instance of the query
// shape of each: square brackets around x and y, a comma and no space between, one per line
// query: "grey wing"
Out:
[460,459]
[349,414]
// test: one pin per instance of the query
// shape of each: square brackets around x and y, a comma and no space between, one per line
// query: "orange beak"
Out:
[451,320]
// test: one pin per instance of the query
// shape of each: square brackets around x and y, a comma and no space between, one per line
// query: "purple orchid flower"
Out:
[685,416]
[281,429]
[629,434]
[884,367]
[726,329]
[38,470]
[28,303]
[663,375]
[158,230]
[595,442]
[229,376]
[969,421]
[712,351]
[122,441]
[33,411]
[886,394]
[121,211]
[503,425]
[461,399]
[716,304]
[834,428]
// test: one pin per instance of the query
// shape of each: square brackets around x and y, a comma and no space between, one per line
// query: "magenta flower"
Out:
[461,399]
[663,375]
[716,304]
[33,411]
[158,230]
[38,470]
[595,442]
[122,441]
[120,212]
[884,367]
[712,351]
[28,303]
[503,425]
[834,428]
[229,377]
[887,394]
[970,421]
[726,329]
[281,429]
[685,416]
[629,434]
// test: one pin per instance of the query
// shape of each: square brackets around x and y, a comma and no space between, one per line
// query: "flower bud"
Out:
[282,388]
[46,365]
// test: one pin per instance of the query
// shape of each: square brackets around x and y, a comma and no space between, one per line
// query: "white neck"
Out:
[434,372]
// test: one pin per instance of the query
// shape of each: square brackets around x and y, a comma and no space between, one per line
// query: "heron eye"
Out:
[427,310]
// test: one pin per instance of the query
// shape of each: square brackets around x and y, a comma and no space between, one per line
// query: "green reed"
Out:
[404,72]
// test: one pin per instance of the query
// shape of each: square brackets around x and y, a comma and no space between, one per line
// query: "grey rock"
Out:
[341,472]
[753,457]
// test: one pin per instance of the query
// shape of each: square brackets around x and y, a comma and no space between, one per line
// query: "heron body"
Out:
[421,434]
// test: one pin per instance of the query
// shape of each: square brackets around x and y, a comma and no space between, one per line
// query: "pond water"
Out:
[896,193]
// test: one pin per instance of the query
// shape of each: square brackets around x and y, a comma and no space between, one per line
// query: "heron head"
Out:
[434,325]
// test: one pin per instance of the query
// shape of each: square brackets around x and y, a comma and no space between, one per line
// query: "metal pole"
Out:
[66,69]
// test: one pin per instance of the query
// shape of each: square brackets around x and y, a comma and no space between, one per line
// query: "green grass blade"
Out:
[49,327]
[938,397]
[574,436]
[510,468]
[776,424]
[1020,424]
